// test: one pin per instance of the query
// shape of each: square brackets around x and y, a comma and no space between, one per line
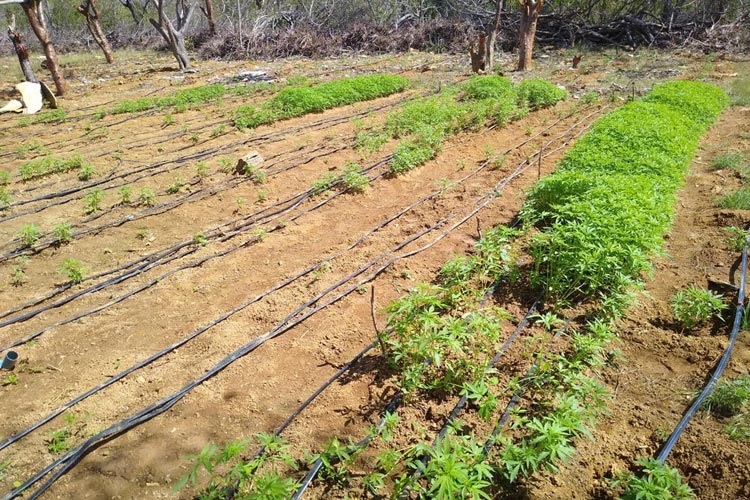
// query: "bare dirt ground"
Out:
[264,245]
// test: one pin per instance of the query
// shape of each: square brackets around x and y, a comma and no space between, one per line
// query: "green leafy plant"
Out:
[695,305]
[300,100]
[125,193]
[657,482]
[29,234]
[92,201]
[201,170]
[86,172]
[5,198]
[11,379]
[63,233]
[17,275]
[537,94]
[738,200]
[146,196]
[49,165]
[5,177]
[200,239]
[729,397]
[73,269]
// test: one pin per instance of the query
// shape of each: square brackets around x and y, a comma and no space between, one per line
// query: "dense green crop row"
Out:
[604,211]
[300,100]
[425,124]
[183,99]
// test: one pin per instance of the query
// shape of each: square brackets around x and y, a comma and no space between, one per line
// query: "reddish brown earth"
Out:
[659,370]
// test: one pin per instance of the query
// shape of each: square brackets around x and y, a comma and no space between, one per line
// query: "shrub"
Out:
[73,269]
[729,397]
[29,234]
[658,482]
[48,166]
[488,87]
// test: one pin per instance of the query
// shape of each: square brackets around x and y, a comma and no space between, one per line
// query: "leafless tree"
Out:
[21,51]
[174,32]
[530,10]
[88,9]
[208,11]
[34,10]
[137,10]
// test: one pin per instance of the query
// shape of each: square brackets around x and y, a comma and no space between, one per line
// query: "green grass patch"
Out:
[180,100]
[300,100]
[739,200]
[50,165]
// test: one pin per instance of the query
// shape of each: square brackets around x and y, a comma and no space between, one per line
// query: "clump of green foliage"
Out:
[737,200]
[425,124]
[300,100]
[29,234]
[55,116]
[63,233]
[5,198]
[605,209]
[350,179]
[657,482]
[50,165]
[73,269]
[537,94]
[731,398]
[695,305]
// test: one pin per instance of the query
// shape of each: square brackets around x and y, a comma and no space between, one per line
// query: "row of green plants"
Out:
[603,213]
[300,100]
[612,197]
[424,124]
[184,99]
[49,165]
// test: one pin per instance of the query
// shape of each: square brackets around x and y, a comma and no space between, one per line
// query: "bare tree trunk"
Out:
[208,11]
[89,11]
[499,4]
[35,14]
[530,10]
[175,36]
[21,51]
[477,57]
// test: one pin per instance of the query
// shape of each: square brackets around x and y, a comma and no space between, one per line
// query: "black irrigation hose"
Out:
[687,417]
[38,333]
[67,461]
[171,348]
[277,204]
[200,155]
[514,400]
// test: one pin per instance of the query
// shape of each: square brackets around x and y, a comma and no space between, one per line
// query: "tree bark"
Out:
[35,14]
[530,10]
[208,11]
[490,53]
[477,57]
[174,36]
[21,51]
[89,11]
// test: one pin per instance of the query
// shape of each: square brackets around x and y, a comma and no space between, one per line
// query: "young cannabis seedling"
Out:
[63,233]
[696,305]
[86,172]
[73,269]
[29,234]
[125,193]
[92,201]
[658,482]
[146,197]
[200,239]
[17,275]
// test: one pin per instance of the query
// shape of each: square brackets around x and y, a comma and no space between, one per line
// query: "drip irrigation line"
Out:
[514,400]
[315,468]
[240,229]
[172,347]
[302,313]
[200,155]
[688,416]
